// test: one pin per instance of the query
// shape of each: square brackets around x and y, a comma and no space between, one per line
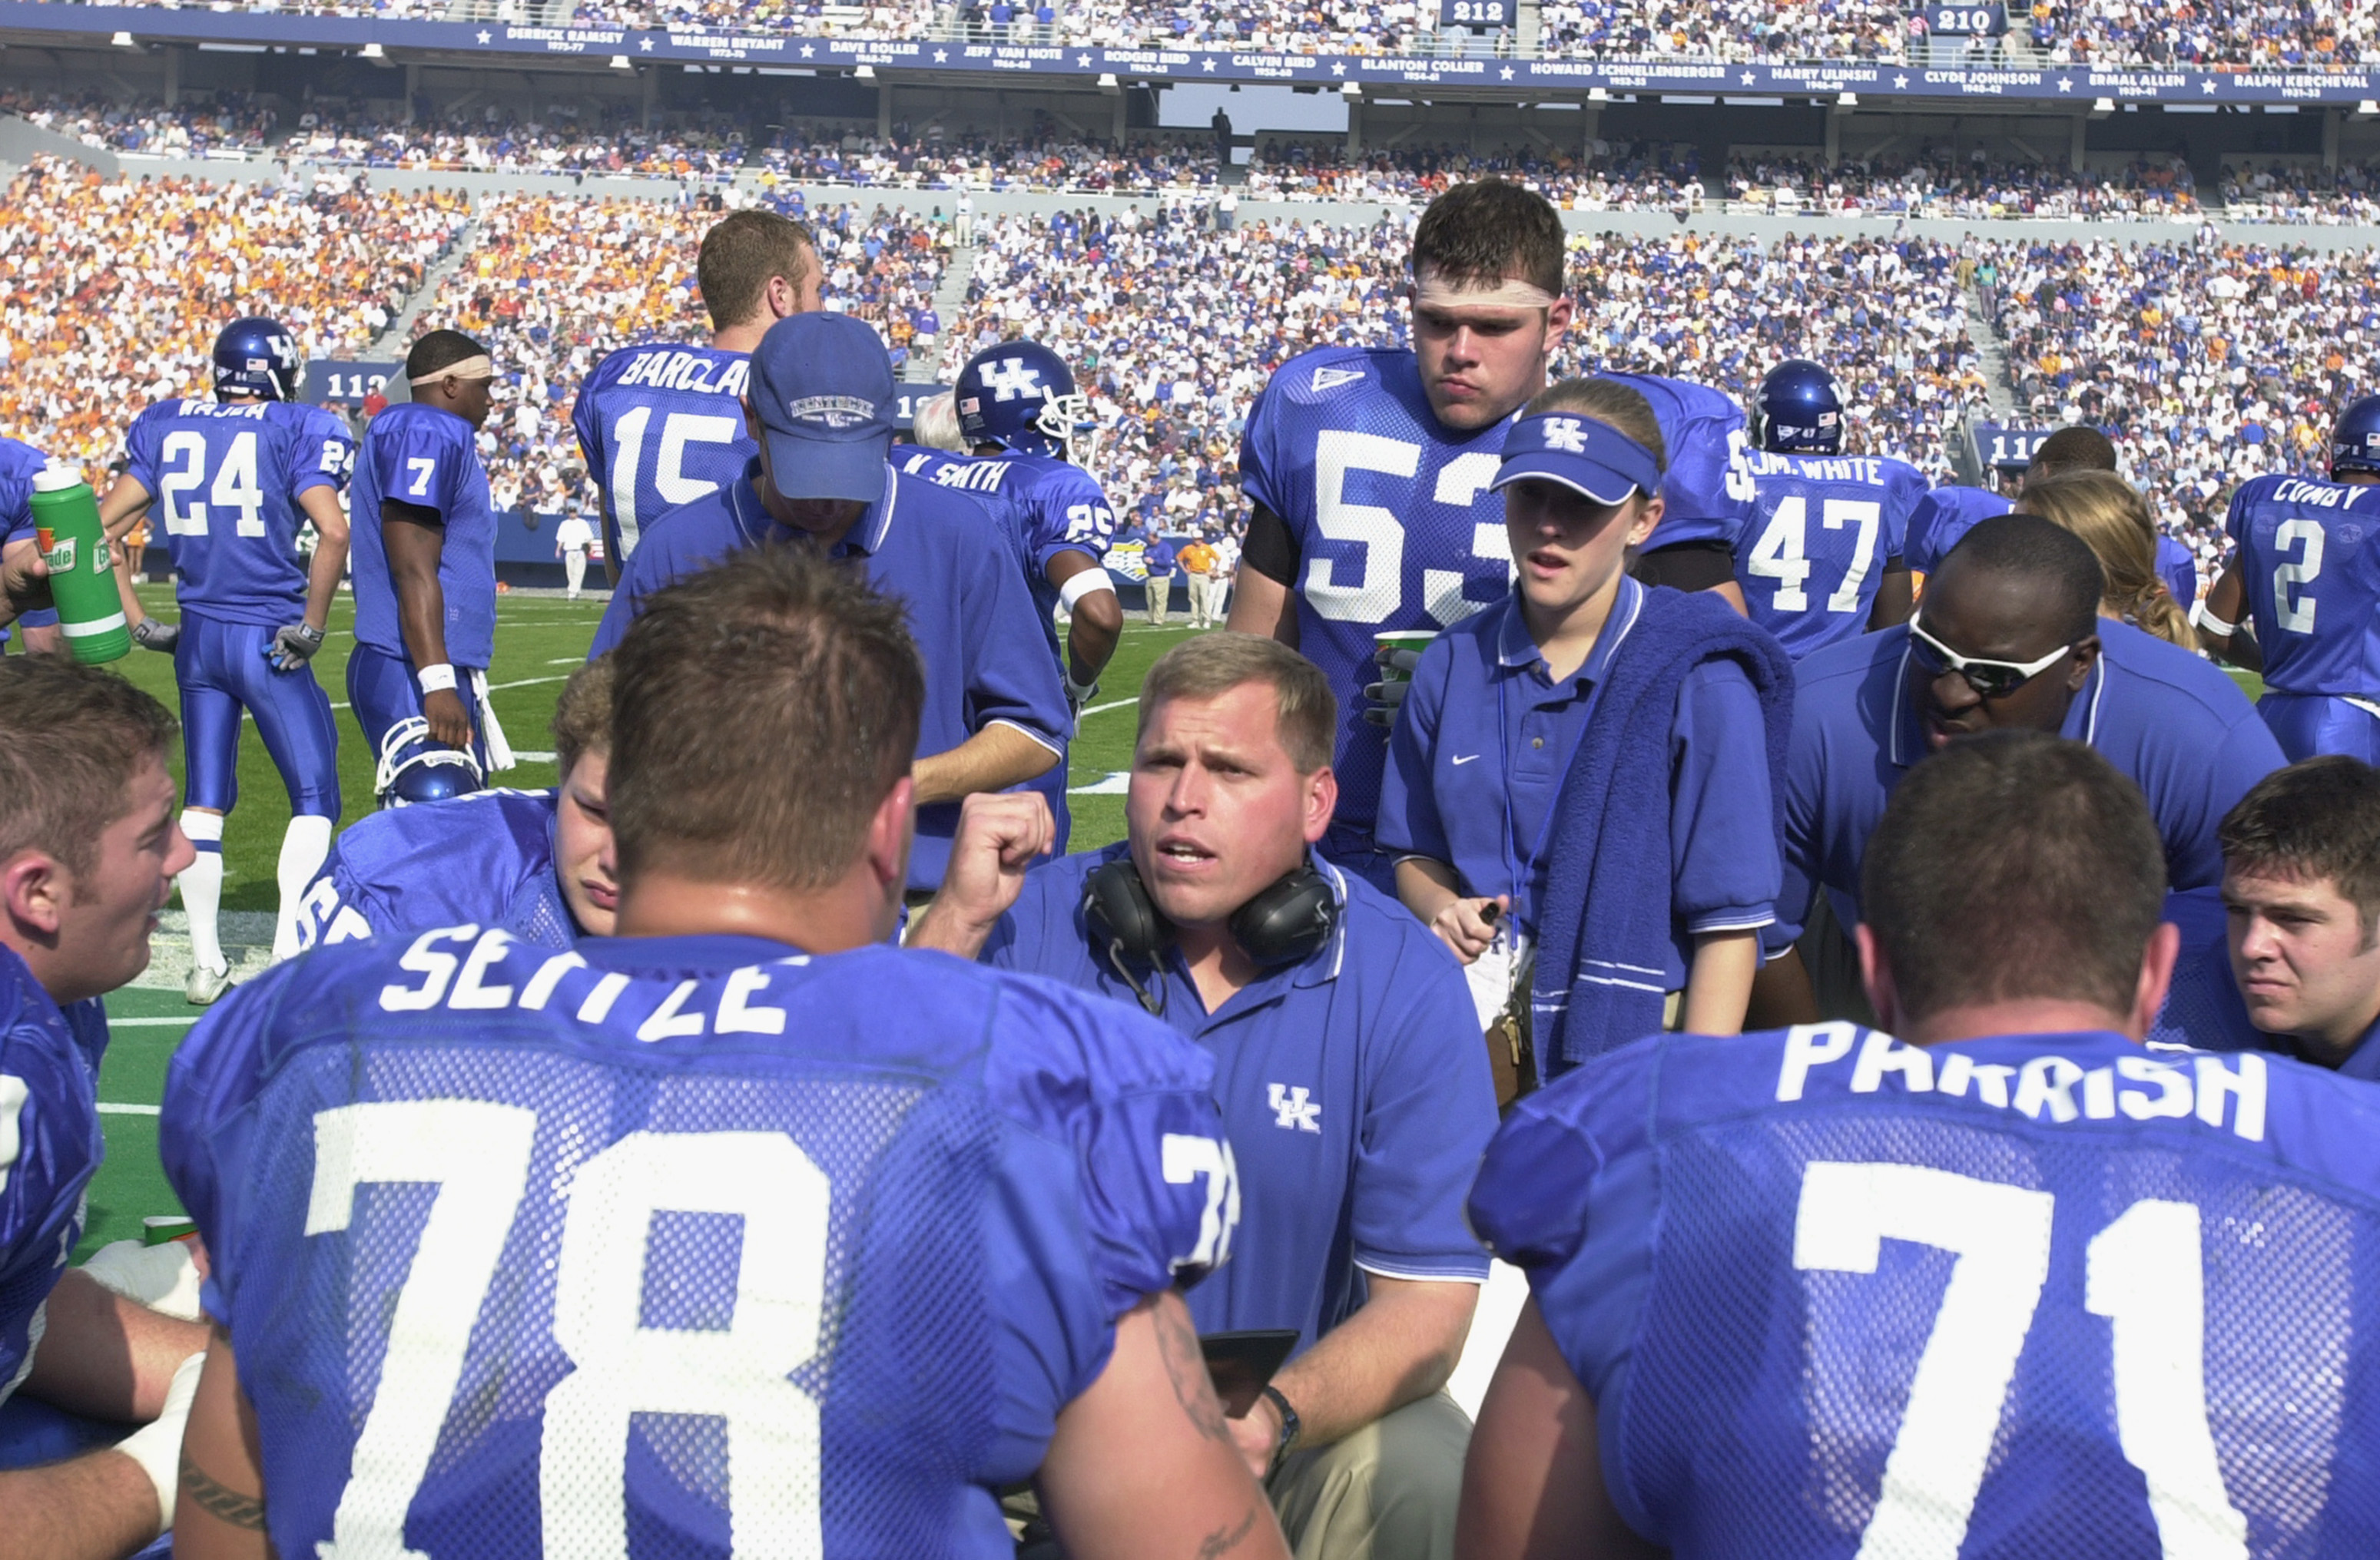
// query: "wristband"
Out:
[1090,581]
[436,679]
[1292,1427]
[2213,624]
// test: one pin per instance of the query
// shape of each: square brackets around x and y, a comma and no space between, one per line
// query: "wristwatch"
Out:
[1290,1427]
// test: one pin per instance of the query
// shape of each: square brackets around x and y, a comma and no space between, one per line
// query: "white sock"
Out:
[202,886]
[302,853]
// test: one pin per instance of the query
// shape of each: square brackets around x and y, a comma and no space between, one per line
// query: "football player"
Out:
[1029,430]
[1822,560]
[236,478]
[1367,472]
[425,558]
[739,1232]
[2005,1285]
[2304,576]
[536,863]
[660,423]
[89,848]
[1706,493]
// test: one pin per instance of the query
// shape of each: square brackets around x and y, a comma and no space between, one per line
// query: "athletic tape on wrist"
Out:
[1090,581]
[436,679]
[2213,624]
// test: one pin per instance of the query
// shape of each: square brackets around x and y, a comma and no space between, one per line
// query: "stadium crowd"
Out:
[114,288]
[1939,185]
[203,125]
[495,140]
[2225,34]
[2295,191]
[2209,364]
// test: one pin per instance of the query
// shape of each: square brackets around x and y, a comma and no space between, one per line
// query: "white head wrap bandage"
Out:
[1431,290]
[479,368]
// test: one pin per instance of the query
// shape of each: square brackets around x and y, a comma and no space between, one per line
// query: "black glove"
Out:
[293,646]
[1387,697]
[150,634]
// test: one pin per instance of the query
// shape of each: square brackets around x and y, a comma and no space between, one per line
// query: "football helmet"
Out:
[1797,411]
[413,769]
[257,356]
[2355,439]
[1021,396]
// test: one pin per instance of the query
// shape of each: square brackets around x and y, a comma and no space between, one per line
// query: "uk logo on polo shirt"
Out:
[1291,1111]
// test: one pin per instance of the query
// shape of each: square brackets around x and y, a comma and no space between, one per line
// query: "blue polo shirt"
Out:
[1486,735]
[2180,729]
[947,558]
[1354,1093]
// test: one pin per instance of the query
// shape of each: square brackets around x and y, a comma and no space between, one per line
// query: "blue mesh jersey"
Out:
[50,1147]
[1707,491]
[486,857]
[2201,1004]
[1392,516]
[1942,517]
[661,426]
[426,456]
[1053,505]
[2312,582]
[226,475]
[1824,528]
[679,1247]
[19,463]
[2025,1296]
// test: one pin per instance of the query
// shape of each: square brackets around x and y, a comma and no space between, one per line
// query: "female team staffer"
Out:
[1588,767]
[2114,522]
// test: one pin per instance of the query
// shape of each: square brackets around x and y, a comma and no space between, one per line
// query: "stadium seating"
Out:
[2208,363]
[555,283]
[2159,190]
[614,144]
[219,123]
[114,289]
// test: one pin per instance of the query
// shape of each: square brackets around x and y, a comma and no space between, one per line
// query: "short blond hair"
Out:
[1305,714]
[582,716]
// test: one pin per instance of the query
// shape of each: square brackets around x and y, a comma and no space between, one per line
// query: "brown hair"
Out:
[71,739]
[1305,714]
[739,255]
[2071,449]
[1617,406]
[2113,520]
[1479,232]
[2318,818]
[582,716]
[2013,865]
[807,691]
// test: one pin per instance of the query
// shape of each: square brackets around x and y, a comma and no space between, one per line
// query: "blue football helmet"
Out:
[2355,439]
[413,769]
[1797,411]
[257,356]
[1021,396]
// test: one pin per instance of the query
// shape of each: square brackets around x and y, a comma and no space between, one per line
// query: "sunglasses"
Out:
[1990,679]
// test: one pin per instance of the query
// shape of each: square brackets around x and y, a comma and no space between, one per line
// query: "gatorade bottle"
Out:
[83,572]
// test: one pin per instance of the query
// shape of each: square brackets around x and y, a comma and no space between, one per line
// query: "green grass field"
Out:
[539,640]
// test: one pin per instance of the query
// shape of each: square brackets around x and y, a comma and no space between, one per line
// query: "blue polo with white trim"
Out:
[1354,1093]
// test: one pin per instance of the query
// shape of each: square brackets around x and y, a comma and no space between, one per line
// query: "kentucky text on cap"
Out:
[822,386]
[1588,456]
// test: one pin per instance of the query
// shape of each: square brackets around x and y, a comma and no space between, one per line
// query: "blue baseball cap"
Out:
[822,384]
[1585,454]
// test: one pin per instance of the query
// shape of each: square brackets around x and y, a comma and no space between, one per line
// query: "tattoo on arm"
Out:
[223,1504]
[1185,1367]
[1222,1542]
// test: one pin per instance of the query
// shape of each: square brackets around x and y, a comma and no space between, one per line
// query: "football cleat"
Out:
[204,986]
[414,769]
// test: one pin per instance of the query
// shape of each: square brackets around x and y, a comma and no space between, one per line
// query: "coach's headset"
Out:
[1283,924]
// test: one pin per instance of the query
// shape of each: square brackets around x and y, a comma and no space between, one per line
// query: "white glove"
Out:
[157,1445]
[165,1279]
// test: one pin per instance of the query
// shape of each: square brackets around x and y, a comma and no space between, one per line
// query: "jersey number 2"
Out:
[2294,612]
[2143,1273]
[476,1155]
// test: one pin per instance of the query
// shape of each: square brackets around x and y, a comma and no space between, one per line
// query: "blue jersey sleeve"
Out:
[1011,678]
[421,466]
[49,1150]
[1725,865]
[338,906]
[1159,1191]
[1072,514]
[141,446]
[1904,491]
[320,452]
[1409,823]
[1259,468]
[1798,850]
[215,1073]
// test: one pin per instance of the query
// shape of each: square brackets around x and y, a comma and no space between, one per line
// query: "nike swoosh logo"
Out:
[1463,758]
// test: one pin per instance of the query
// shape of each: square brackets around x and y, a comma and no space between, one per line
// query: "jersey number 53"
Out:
[1373,590]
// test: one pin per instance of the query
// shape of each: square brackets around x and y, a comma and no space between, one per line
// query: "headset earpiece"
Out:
[1118,912]
[1289,920]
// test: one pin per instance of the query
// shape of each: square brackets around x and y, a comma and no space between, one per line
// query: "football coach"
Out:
[1353,1086]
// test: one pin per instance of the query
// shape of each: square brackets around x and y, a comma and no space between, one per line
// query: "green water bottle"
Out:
[83,569]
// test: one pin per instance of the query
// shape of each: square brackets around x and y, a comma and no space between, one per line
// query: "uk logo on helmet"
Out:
[1010,378]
